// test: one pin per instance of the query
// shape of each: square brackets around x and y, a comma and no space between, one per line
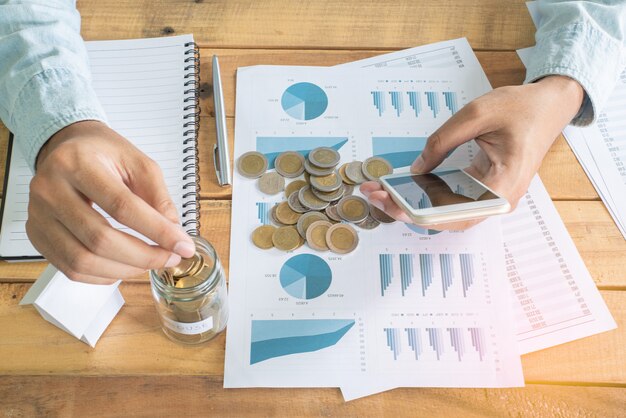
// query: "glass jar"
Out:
[191,298]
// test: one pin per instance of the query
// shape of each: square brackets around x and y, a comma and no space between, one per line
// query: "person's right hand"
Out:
[85,163]
[513,126]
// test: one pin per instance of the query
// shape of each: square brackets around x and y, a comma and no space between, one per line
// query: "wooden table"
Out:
[135,370]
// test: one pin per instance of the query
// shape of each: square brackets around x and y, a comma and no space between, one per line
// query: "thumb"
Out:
[460,128]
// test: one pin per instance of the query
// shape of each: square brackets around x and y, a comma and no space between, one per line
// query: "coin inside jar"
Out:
[353,209]
[271,183]
[376,167]
[252,164]
[354,172]
[307,219]
[262,236]
[327,184]
[341,238]
[286,238]
[285,215]
[324,157]
[316,235]
[294,186]
[289,164]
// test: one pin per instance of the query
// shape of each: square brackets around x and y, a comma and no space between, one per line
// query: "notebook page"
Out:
[140,84]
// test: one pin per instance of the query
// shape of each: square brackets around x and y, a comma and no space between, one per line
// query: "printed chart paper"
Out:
[408,306]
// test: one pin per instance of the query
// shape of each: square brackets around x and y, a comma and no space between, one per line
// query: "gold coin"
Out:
[307,219]
[289,164]
[294,186]
[330,196]
[284,214]
[353,209]
[315,170]
[326,184]
[316,235]
[341,238]
[273,216]
[271,183]
[286,238]
[252,164]
[354,172]
[342,173]
[308,199]
[324,157]
[262,236]
[376,167]
[331,212]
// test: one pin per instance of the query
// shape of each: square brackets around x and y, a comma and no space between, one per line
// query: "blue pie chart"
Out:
[304,101]
[305,276]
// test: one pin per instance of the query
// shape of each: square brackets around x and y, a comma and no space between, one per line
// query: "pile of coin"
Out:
[320,209]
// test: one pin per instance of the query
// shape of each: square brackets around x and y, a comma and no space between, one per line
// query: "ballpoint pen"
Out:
[221,158]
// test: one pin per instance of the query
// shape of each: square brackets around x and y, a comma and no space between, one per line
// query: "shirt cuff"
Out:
[50,101]
[584,53]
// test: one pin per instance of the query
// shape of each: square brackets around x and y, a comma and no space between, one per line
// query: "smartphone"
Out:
[443,196]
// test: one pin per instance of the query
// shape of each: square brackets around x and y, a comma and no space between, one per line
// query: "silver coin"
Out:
[353,209]
[368,223]
[308,199]
[329,196]
[324,157]
[317,171]
[380,215]
[326,184]
[354,171]
[331,212]
[271,183]
[348,189]
[307,219]
[294,203]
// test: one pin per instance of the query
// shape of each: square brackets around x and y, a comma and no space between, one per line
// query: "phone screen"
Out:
[439,189]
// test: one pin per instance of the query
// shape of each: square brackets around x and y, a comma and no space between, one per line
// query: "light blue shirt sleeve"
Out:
[584,40]
[45,80]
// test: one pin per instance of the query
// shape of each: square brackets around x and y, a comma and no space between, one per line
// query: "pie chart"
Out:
[305,276]
[304,101]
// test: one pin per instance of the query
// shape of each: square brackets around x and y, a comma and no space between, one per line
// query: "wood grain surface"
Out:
[136,371]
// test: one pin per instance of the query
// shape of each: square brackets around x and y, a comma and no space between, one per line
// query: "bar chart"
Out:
[436,343]
[432,99]
[263,210]
[445,275]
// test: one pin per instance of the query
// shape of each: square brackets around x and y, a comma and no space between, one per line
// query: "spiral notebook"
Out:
[149,91]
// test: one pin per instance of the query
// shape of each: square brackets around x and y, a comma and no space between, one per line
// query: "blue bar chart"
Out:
[451,102]
[399,151]
[414,102]
[393,341]
[379,101]
[443,344]
[263,210]
[271,146]
[396,101]
[438,275]
[386,271]
[433,102]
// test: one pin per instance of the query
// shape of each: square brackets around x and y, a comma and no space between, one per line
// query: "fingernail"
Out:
[174,260]
[417,165]
[185,249]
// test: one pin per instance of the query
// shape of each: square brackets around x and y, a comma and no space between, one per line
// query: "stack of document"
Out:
[601,147]
[409,307]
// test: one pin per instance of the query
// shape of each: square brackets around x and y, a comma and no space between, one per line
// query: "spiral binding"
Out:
[191,125]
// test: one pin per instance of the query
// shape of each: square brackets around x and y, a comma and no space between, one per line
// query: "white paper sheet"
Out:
[533,235]
[320,319]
